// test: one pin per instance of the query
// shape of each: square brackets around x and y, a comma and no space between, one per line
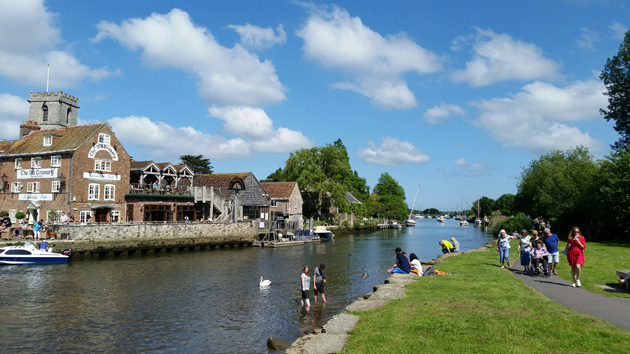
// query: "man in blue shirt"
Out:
[551,242]
[43,246]
[402,263]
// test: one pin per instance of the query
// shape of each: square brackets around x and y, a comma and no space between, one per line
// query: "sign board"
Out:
[47,197]
[103,147]
[101,176]
[37,173]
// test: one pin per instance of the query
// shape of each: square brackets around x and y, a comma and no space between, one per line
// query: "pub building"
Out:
[56,166]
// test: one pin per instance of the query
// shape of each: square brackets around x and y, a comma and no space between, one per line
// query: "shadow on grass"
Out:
[613,288]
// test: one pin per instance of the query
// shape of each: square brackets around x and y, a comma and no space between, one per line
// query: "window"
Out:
[109,192]
[18,163]
[68,115]
[47,140]
[56,186]
[16,187]
[45,113]
[273,203]
[36,162]
[12,215]
[102,165]
[55,161]
[93,191]
[85,216]
[32,187]
[114,216]
[103,138]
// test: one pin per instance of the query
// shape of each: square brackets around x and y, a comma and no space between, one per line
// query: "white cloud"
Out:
[13,111]
[499,57]
[587,39]
[254,123]
[375,63]
[392,152]
[255,37]
[435,114]
[227,76]
[538,117]
[618,29]
[460,162]
[30,42]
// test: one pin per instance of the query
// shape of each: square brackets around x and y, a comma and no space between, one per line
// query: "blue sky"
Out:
[455,97]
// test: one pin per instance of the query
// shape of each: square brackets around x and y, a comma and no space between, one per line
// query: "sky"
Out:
[453,98]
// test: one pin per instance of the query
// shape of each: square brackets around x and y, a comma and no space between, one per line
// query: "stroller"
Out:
[540,265]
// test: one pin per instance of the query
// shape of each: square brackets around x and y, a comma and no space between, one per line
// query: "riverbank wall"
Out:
[88,241]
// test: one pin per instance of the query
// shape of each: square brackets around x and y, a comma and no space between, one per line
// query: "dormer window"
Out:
[47,140]
[45,113]
[103,138]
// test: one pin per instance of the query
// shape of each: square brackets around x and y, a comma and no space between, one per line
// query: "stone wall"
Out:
[128,237]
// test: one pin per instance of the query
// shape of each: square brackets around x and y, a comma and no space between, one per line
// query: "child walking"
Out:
[305,284]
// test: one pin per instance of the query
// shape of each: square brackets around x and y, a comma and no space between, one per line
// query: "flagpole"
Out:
[47,77]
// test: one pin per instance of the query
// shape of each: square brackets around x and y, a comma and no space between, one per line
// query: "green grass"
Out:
[483,308]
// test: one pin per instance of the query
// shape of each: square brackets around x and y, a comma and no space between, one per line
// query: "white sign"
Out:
[101,176]
[101,146]
[37,173]
[36,196]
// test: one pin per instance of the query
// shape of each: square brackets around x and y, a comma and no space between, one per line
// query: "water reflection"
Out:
[201,301]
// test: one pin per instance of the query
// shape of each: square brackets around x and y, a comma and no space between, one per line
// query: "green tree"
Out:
[486,207]
[505,204]
[613,195]
[391,197]
[616,78]
[197,163]
[559,184]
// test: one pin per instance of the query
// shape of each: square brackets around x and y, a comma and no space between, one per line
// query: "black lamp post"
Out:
[62,182]
[4,182]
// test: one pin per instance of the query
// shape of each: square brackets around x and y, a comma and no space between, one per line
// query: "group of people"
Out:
[404,264]
[449,247]
[542,255]
[318,284]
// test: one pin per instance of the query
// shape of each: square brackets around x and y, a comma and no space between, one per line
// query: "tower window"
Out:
[45,113]
[68,115]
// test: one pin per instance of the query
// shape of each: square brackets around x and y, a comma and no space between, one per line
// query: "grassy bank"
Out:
[483,308]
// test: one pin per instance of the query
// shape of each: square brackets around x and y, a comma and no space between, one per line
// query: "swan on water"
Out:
[264,283]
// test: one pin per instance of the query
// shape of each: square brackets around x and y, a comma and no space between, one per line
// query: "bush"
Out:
[513,223]
[4,213]
[20,215]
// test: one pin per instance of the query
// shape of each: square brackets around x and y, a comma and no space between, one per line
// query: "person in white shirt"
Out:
[416,266]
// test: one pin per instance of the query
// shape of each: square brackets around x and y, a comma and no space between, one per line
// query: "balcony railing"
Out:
[143,188]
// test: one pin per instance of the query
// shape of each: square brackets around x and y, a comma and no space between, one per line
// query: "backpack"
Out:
[429,271]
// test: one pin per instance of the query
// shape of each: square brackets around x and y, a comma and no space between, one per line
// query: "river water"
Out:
[200,301]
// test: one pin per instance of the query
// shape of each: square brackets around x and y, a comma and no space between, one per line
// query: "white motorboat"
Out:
[28,254]
[323,233]
[463,223]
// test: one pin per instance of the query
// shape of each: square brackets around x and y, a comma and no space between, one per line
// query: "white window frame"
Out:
[32,187]
[16,187]
[47,140]
[109,192]
[104,138]
[103,165]
[55,161]
[83,215]
[12,215]
[114,216]
[94,190]
[18,163]
[36,162]
[55,187]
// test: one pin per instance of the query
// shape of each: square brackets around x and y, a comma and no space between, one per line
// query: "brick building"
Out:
[286,203]
[80,170]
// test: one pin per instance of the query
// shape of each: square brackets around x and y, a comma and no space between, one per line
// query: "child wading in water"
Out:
[305,284]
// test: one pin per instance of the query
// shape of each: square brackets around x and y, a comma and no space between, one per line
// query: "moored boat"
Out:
[28,254]
[323,233]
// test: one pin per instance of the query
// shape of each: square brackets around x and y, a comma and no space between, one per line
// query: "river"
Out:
[200,301]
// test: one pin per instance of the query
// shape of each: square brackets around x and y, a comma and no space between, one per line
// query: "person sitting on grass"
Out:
[416,266]
[447,247]
[402,265]
[539,254]
[455,244]
[624,279]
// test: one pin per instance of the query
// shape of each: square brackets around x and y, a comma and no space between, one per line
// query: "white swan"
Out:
[264,283]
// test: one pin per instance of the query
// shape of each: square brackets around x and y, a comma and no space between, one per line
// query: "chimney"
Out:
[27,127]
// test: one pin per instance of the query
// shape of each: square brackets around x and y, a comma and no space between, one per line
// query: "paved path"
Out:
[612,309]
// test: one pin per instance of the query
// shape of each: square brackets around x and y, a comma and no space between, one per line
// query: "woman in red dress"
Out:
[575,257]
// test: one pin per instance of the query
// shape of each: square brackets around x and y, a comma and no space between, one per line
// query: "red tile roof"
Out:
[279,190]
[64,139]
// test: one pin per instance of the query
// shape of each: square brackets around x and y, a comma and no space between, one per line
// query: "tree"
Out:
[197,163]
[505,204]
[276,176]
[616,78]
[391,197]
[559,184]
[486,207]
[613,181]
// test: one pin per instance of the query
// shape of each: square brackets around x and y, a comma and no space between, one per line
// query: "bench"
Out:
[6,235]
[622,274]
